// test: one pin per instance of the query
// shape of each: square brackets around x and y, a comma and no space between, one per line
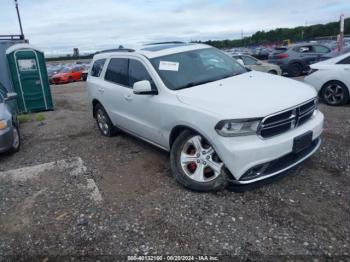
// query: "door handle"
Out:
[347,68]
[128,97]
[101,90]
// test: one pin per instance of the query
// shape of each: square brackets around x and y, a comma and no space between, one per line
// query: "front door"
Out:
[30,80]
[138,114]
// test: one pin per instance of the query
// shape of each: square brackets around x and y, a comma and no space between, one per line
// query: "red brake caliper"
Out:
[192,166]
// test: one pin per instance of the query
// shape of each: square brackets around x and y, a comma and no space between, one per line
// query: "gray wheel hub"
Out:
[334,94]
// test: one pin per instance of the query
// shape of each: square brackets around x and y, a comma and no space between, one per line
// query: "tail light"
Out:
[281,56]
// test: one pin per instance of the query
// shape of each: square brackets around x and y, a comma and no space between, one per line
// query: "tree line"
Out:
[276,36]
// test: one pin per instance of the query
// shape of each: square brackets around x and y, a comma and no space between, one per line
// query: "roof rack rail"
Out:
[169,42]
[120,49]
[11,37]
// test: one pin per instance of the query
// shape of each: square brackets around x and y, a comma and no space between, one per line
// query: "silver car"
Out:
[258,65]
[9,133]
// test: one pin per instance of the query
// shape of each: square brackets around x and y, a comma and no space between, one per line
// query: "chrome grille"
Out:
[288,119]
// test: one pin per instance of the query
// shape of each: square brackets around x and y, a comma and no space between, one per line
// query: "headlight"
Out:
[3,124]
[238,127]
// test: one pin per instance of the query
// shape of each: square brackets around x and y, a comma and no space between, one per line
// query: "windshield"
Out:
[187,69]
[66,70]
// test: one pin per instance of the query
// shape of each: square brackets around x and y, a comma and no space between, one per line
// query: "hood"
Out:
[248,95]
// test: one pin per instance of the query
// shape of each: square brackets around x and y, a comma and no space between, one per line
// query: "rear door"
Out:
[114,88]
[30,81]
[343,67]
[306,54]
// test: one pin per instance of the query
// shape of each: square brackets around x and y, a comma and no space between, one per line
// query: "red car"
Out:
[68,75]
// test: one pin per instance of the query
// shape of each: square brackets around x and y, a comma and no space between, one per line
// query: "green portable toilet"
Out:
[29,78]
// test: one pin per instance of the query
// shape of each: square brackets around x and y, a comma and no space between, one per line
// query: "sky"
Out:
[57,26]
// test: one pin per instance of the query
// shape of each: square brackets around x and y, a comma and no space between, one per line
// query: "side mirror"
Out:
[10,96]
[143,88]
[240,61]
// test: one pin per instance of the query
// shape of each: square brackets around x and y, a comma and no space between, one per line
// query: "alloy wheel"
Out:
[199,160]
[102,122]
[334,94]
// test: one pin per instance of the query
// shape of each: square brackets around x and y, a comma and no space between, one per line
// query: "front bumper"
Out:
[6,139]
[250,153]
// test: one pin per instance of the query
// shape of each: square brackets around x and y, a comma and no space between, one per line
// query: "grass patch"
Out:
[24,118]
[40,117]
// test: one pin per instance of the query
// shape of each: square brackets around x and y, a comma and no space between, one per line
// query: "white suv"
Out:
[220,121]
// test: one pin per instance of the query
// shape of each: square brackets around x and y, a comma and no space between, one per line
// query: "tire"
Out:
[103,121]
[335,93]
[197,166]
[295,70]
[16,144]
[70,79]
[273,72]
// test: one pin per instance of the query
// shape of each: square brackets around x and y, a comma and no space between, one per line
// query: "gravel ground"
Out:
[55,212]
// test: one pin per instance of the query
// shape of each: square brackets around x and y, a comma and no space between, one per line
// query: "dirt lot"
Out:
[83,194]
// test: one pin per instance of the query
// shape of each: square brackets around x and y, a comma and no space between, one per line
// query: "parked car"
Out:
[295,59]
[68,75]
[261,53]
[334,53]
[9,127]
[255,64]
[220,121]
[84,74]
[51,71]
[331,78]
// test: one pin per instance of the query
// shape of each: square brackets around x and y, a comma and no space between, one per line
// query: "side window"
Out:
[137,72]
[303,49]
[117,71]
[321,49]
[248,60]
[345,61]
[97,67]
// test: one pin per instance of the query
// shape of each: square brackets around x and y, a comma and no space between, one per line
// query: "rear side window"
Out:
[303,49]
[345,61]
[321,49]
[137,72]
[97,67]
[117,71]
[249,60]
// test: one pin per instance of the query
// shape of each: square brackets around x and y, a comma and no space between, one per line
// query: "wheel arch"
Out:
[177,130]
[334,80]
[347,88]
[94,103]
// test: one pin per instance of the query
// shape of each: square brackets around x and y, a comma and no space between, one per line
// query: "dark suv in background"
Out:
[295,59]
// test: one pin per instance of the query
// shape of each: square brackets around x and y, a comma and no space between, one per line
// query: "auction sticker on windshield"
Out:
[169,66]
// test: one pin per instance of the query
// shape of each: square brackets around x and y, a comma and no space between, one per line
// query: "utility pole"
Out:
[341,34]
[19,19]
